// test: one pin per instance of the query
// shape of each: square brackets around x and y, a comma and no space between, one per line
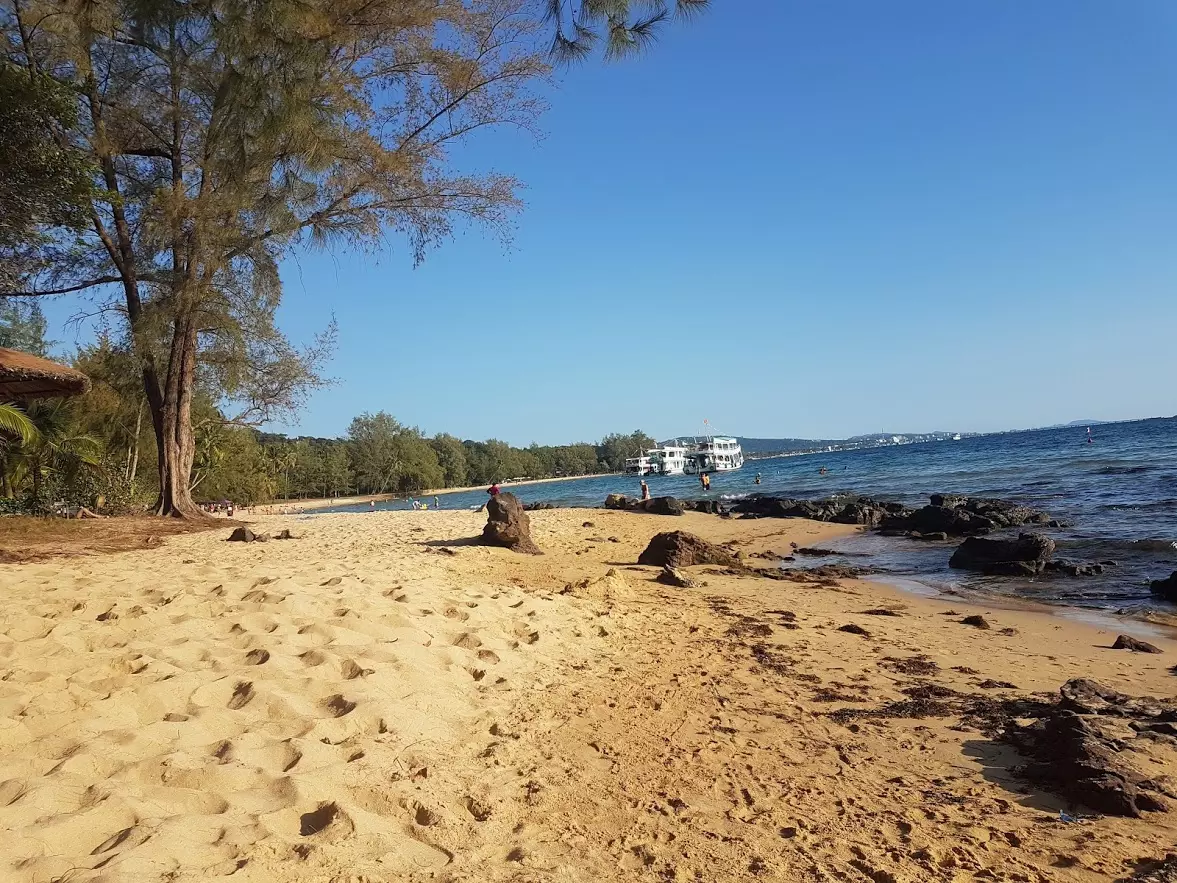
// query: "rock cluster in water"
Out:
[946,515]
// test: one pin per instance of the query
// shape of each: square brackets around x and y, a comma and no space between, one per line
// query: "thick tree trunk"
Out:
[177,446]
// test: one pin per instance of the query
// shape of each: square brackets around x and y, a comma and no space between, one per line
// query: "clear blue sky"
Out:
[801,219]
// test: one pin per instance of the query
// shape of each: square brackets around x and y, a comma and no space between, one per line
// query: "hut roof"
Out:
[23,376]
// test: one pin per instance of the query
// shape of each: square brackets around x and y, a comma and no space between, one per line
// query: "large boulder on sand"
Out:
[617,501]
[508,525]
[1025,556]
[677,548]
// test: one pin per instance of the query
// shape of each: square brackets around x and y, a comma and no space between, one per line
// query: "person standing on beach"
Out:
[645,490]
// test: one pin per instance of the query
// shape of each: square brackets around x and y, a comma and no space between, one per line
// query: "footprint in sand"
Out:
[476,808]
[351,670]
[488,656]
[455,613]
[467,641]
[425,817]
[334,581]
[11,791]
[312,658]
[327,815]
[128,837]
[477,673]
[242,695]
[338,706]
[257,657]
[524,632]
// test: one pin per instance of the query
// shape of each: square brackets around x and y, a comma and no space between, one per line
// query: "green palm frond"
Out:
[14,421]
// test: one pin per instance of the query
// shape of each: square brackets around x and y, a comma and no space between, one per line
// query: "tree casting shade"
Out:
[23,376]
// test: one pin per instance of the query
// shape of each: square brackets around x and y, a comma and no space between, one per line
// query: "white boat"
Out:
[639,466]
[670,459]
[720,453]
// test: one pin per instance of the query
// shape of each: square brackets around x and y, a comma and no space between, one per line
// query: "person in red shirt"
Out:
[493,490]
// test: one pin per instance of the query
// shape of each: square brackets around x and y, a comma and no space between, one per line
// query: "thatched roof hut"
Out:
[30,377]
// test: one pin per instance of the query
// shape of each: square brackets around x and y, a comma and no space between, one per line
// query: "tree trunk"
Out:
[133,450]
[177,446]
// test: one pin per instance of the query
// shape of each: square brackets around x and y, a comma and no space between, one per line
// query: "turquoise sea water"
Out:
[1118,494]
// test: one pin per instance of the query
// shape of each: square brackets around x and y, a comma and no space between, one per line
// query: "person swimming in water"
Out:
[758,478]
[645,490]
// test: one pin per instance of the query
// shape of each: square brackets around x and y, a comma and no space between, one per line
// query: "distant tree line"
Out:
[101,447]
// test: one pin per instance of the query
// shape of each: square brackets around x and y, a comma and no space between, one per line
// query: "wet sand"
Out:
[380,700]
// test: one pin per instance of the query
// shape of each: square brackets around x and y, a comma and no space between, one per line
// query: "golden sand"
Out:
[371,702]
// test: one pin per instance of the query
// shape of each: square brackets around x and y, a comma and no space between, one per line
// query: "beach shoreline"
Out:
[381,698]
[360,500]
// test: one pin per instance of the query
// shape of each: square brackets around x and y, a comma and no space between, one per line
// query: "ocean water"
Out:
[1118,495]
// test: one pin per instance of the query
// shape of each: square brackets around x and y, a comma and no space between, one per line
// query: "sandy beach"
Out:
[380,700]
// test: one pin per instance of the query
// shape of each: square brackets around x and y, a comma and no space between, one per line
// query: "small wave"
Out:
[1122,470]
[1151,506]
[1111,547]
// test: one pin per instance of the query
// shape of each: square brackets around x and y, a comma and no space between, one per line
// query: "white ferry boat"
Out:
[670,459]
[639,466]
[718,453]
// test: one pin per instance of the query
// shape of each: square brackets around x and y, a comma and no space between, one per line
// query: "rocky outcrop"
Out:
[1127,642]
[538,506]
[508,525]
[1165,588]
[653,506]
[1080,747]
[677,548]
[1025,556]
[946,515]
[965,516]
[710,507]
[840,510]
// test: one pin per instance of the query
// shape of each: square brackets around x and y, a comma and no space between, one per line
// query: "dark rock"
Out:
[976,621]
[588,524]
[1025,556]
[673,577]
[814,552]
[533,507]
[285,535]
[854,629]
[1078,753]
[655,505]
[508,525]
[1127,642]
[934,536]
[1165,588]
[1073,568]
[242,535]
[662,506]
[990,684]
[950,501]
[710,507]
[678,548]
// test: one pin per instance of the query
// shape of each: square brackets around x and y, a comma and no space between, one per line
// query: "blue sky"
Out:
[800,219]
